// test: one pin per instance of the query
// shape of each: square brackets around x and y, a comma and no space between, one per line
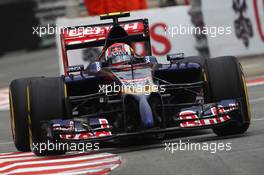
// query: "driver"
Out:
[118,53]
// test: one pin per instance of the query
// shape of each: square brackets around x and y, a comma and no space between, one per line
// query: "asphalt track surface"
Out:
[245,157]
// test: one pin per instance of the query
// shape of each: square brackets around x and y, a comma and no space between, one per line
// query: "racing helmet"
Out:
[118,53]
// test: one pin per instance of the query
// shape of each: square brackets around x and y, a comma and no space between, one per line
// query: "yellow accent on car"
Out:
[114,13]
[204,75]
[29,119]
[246,95]
[13,126]
[65,90]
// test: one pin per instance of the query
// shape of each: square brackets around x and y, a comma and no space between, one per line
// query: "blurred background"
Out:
[19,16]
[23,52]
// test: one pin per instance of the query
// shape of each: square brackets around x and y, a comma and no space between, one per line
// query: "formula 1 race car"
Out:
[122,94]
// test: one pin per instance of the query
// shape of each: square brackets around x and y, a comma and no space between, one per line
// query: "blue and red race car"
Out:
[122,94]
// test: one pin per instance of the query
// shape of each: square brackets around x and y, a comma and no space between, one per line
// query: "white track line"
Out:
[5,143]
[257,119]
[16,155]
[255,84]
[257,81]
[256,100]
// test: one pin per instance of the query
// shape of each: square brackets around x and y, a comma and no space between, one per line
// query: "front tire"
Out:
[226,81]
[19,115]
[45,102]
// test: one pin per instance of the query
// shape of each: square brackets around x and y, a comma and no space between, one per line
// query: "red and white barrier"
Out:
[255,82]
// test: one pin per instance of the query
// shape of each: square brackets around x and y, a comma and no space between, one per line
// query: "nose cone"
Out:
[145,112]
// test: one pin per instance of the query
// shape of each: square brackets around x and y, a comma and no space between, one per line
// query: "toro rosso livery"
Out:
[122,94]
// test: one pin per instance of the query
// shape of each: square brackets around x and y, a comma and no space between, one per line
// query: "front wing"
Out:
[195,117]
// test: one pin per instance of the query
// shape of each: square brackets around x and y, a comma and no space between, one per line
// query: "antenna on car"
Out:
[115,16]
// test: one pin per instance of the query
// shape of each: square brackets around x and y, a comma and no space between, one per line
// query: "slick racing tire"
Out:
[18,113]
[227,81]
[45,102]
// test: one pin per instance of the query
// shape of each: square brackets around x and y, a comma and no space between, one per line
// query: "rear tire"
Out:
[46,102]
[226,81]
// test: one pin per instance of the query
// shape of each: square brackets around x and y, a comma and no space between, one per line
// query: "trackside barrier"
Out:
[246,19]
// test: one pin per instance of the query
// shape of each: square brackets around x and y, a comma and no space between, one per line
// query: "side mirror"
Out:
[174,57]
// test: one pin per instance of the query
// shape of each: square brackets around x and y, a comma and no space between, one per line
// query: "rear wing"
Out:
[80,37]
